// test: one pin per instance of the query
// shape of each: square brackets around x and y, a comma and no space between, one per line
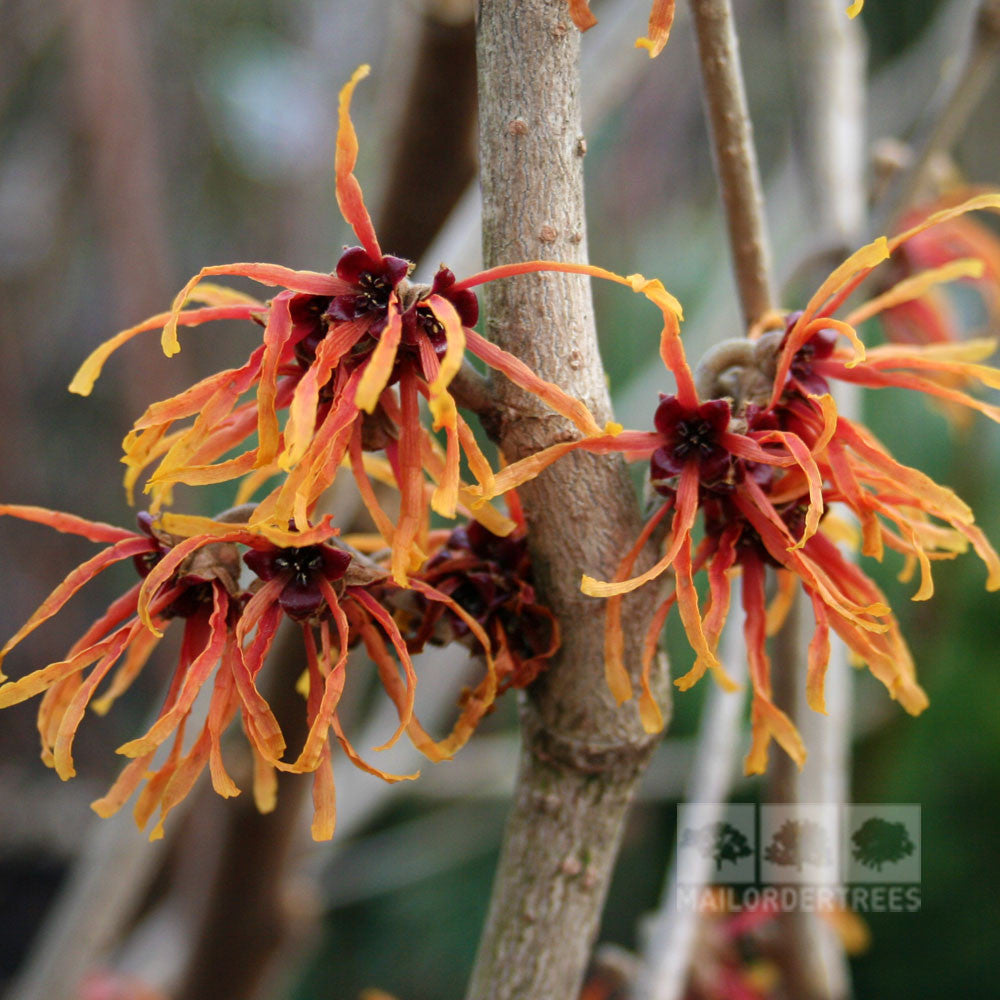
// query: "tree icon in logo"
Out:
[877,842]
[798,843]
[718,841]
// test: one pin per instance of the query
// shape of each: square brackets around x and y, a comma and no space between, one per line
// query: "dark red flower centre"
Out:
[301,569]
[302,563]
[690,436]
[373,291]
[695,439]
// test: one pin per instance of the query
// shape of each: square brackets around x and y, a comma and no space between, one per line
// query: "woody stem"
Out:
[735,157]
[581,754]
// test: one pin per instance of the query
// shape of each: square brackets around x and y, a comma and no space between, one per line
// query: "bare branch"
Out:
[734,153]
[948,119]
[582,755]
[669,934]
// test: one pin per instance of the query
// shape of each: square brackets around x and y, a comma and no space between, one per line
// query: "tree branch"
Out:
[734,154]
[831,90]
[582,756]
[669,934]
[947,120]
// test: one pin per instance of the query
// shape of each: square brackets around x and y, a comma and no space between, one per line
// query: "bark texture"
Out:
[582,755]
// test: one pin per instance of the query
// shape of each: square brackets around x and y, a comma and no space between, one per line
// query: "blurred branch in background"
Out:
[947,117]
[111,59]
[831,106]
[669,934]
[434,158]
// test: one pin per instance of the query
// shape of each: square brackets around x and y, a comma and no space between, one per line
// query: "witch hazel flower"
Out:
[201,590]
[349,355]
[190,569]
[490,577]
[755,445]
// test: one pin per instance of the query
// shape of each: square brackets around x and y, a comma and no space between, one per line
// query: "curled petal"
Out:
[349,198]
[661,19]
[276,335]
[311,282]
[914,286]
[687,509]
[84,573]
[378,370]
[195,677]
[89,372]
[582,16]
[615,674]
[94,531]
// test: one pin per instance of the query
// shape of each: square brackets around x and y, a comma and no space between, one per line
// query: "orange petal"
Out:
[411,488]
[614,639]
[914,286]
[349,198]
[77,578]
[661,19]
[276,335]
[95,531]
[311,282]
[378,369]
[88,373]
[580,11]
[194,679]
[521,375]
[686,511]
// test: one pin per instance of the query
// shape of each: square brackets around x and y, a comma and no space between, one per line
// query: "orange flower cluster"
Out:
[343,363]
[762,453]
[755,445]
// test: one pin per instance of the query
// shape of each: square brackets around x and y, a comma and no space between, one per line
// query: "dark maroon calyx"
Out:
[372,283]
[760,420]
[301,569]
[464,300]
[309,325]
[690,436]
[197,595]
[484,574]
[507,554]
[145,561]
[419,321]
[817,348]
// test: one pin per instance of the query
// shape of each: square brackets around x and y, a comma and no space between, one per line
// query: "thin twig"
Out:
[948,118]
[582,755]
[830,91]
[829,65]
[669,934]
[734,154]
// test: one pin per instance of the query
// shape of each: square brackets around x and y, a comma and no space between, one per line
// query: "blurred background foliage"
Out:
[139,141]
